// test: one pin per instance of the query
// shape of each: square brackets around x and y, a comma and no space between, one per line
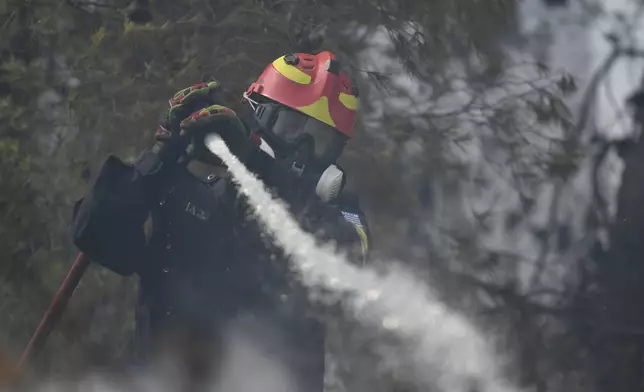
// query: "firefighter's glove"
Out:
[171,142]
[224,122]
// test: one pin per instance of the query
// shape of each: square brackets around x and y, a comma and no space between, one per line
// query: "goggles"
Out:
[288,128]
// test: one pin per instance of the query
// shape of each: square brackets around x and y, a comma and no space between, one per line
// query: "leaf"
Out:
[98,37]
[128,26]
[567,84]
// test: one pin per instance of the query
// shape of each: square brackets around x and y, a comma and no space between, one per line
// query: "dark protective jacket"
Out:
[204,259]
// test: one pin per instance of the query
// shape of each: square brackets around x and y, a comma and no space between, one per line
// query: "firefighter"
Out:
[175,219]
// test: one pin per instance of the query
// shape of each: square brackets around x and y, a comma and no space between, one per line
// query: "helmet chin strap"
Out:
[302,155]
[330,182]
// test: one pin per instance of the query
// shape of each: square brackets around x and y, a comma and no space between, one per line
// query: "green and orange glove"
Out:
[171,141]
[224,122]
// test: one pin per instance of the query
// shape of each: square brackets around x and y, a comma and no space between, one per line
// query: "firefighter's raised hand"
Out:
[170,142]
[224,122]
[185,102]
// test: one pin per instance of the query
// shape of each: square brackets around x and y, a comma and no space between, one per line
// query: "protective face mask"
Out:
[329,184]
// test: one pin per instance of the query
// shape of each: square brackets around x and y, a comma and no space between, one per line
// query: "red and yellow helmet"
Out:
[313,85]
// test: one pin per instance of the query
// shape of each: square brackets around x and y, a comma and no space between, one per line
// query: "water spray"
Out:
[443,345]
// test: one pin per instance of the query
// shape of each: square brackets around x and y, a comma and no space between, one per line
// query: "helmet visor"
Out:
[291,126]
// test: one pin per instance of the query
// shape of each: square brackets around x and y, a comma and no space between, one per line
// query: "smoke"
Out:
[446,350]
[253,359]
[252,363]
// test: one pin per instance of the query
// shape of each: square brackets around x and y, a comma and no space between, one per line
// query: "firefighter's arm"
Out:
[342,224]
[360,239]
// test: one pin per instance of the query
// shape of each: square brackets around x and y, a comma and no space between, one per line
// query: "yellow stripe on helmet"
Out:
[290,72]
[319,110]
[349,101]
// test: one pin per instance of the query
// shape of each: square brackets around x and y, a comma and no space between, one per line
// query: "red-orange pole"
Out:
[56,309]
